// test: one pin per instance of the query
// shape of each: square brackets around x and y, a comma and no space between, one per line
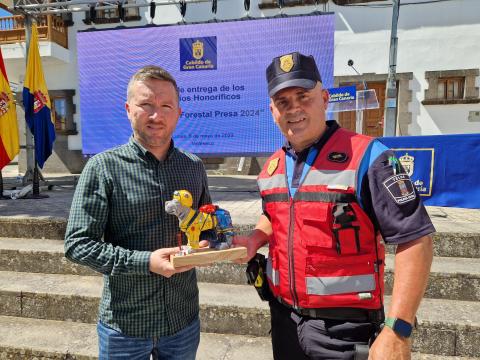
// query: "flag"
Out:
[9,146]
[37,103]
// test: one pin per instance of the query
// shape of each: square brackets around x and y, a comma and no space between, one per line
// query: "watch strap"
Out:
[390,322]
[401,327]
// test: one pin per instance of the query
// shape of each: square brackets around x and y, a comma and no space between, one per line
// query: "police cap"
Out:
[292,69]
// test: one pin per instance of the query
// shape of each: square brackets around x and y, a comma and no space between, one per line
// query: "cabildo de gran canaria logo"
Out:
[198,53]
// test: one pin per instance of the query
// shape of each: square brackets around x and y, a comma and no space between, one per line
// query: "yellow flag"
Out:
[9,144]
[37,103]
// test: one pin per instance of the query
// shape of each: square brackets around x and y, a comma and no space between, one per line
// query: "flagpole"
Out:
[32,167]
[29,174]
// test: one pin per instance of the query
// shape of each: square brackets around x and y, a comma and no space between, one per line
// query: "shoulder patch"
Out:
[400,188]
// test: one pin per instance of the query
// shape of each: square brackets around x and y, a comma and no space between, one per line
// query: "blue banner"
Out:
[445,169]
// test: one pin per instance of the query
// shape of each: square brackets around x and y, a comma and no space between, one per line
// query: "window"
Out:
[450,88]
[110,15]
[59,113]
[63,110]
[272,4]
[353,2]
[132,13]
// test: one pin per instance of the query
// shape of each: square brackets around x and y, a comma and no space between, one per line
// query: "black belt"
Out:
[345,314]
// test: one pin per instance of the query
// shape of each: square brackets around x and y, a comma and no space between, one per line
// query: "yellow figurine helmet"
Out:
[184,197]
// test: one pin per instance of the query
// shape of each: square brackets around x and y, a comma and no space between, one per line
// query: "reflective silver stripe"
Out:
[272,274]
[340,284]
[275,181]
[330,177]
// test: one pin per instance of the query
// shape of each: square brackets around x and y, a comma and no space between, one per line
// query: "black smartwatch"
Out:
[401,327]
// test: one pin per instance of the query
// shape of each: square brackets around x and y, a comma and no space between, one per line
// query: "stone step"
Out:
[420,356]
[53,228]
[446,327]
[452,243]
[451,278]
[24,338]
[33,227]
[37,256]
[233,347]
[52,340]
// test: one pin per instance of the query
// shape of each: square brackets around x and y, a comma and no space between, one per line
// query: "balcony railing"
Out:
[50,28]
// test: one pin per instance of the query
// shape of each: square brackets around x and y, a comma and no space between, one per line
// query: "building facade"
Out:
[438,76]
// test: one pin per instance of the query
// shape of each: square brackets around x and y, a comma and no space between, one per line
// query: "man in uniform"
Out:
[329,195]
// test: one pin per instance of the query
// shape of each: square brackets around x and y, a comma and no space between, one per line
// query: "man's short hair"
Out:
[151,72]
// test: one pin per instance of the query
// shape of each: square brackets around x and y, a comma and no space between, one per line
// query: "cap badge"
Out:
[272,166]
[286,62]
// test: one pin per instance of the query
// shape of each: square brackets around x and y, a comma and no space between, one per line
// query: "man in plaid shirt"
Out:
[118,227]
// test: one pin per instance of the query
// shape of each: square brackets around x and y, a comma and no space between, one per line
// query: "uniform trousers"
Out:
[297,337]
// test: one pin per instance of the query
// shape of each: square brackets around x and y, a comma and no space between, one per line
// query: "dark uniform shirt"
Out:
[398,219]
[117,219]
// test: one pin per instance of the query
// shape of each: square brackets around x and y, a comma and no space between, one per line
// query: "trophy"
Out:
[208,218]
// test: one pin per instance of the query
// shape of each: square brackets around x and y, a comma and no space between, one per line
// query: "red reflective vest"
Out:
[324,251]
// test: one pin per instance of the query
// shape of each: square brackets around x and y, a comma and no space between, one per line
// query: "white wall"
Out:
[438,36]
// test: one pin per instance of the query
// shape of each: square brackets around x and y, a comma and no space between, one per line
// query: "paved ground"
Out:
[237,194]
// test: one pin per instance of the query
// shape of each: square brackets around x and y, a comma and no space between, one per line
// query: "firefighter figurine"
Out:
[194,222]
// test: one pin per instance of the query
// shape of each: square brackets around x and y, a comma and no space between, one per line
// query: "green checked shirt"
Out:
[118,218]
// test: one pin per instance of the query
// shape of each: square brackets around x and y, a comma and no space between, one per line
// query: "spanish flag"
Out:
[37,103]
[9,147]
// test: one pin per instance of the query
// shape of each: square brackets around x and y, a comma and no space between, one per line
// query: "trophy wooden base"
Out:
[208,256]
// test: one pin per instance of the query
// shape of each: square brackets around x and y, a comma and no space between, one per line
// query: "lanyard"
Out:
[290,162]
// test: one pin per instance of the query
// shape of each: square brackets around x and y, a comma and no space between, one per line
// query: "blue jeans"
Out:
[113,345]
